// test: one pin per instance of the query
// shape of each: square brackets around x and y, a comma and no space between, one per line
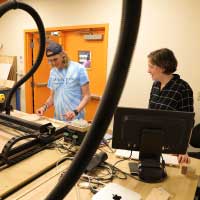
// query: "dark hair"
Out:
[164,58]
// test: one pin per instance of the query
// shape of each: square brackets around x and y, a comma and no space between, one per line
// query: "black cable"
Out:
[18,5]
[66,149]
[129,29]
[115,169]
[103,178]
[9,145]
[123,172]
[115,164]
[61,147]
[97,180]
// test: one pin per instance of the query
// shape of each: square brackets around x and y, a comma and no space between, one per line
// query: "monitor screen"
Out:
[136,128]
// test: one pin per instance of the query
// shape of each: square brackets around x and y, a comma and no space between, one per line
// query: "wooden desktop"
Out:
[45,165]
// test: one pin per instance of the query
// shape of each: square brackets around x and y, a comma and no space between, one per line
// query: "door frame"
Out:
[28,35]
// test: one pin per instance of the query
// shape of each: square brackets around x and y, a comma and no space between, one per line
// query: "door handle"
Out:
[95,97]
[40,84]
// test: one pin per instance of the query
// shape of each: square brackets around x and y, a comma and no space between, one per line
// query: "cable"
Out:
[121,171]
[115,169]
[114,165]
[129,29]
[62,147]
[95,181]
[9,145]
[18,5]
[105,143]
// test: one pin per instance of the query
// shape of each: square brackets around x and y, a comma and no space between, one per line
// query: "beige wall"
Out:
[172,24]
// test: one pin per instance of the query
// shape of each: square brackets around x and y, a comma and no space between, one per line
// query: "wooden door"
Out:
[2,1]
[74,43]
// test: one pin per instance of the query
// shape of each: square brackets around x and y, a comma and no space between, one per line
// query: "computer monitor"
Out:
[152,132]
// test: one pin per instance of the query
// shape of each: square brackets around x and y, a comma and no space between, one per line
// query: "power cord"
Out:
[94,182]
[106,143]
[117,162]
[62,147]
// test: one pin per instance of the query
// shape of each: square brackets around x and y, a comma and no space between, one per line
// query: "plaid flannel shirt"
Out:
[176,95]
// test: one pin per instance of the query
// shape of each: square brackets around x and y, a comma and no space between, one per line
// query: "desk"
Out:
[180,186]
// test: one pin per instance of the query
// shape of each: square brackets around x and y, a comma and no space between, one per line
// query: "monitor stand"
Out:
[150,169]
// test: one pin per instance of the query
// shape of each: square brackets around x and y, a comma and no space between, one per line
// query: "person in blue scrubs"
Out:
[68,84]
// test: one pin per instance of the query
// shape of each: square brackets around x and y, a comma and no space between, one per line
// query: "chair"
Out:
[195,141]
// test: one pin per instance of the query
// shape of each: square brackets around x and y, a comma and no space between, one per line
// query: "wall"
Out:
[172,24]
[54,14]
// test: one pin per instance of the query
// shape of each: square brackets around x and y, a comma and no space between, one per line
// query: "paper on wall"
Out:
[4,70]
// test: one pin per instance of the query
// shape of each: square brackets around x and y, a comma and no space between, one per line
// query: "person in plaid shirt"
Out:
[169,91]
